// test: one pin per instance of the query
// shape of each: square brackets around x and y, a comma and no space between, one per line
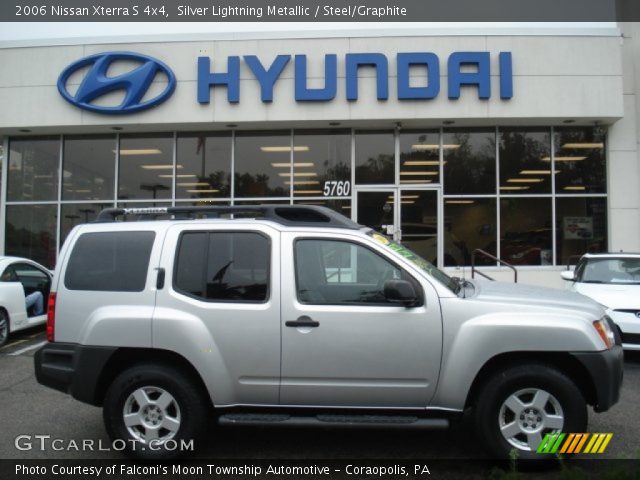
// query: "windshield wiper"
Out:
[592,281]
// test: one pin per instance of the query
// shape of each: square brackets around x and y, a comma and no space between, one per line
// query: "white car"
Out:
[21,278]
[613,280]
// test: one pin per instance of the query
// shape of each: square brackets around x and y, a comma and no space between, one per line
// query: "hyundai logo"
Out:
[638,314]
[135,83]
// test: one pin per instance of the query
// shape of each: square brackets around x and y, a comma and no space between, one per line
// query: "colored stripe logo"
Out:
[573,443]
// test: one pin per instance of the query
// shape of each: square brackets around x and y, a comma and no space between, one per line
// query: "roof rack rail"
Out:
[289,215]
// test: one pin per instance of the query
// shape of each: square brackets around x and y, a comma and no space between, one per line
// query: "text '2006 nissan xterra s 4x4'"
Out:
[287,315]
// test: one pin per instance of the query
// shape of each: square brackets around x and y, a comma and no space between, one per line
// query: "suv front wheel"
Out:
[154,409]
[518,406]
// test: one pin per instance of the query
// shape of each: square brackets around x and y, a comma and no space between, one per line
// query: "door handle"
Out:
[302,321]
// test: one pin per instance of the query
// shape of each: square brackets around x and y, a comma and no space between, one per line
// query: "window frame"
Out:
[416,283]
[208,232]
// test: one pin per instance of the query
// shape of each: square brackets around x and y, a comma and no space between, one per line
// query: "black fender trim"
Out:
[72,368]
[606,369]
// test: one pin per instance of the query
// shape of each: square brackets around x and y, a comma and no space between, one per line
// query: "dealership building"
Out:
[519,141]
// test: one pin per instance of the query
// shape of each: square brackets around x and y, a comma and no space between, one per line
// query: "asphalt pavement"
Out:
[30,409]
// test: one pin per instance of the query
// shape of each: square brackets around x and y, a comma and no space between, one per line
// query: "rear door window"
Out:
[223,266]
[110,261]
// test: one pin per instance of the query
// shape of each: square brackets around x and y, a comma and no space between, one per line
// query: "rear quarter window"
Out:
[110,262]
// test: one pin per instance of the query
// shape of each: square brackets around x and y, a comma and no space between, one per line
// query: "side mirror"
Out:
[400,291]
[568,275]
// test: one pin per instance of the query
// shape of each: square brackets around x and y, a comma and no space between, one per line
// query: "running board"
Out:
[334,421]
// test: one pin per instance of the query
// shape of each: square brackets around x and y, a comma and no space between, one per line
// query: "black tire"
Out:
[191,405]
[5,327]
[525,378]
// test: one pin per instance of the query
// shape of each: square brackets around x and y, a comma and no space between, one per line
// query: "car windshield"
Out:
[612,270]
[417,260]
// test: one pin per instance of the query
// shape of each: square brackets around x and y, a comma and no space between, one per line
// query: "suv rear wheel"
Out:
[153,408]
[520,405]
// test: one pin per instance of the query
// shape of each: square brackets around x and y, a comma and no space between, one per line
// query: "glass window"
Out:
[419,157]
[375,157]
[77,213]
[33,169]
[223,266]
[340,206]
[318,157]
[580,160]
[524,160]
[146,166]
[469,161]
[205,159]
[31,233]
[525,231]
[257,159]
[9,275]
[469,223]
[110,262]
[89,167]
[618,271]
[330,272]
[581,227]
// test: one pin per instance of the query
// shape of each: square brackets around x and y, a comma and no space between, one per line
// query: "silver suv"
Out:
[281,315]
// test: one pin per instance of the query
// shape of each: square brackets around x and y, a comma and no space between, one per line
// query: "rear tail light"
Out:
[51,316]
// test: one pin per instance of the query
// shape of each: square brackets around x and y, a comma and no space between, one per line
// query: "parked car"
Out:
[612,280]
[300,316]
[22,278]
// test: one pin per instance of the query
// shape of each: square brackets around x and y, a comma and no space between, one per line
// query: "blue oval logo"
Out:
[135,83]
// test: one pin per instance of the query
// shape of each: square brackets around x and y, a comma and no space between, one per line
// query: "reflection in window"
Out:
[146,166]
[525,231]
[206,165]
[419,222]
[331,272]
[580,160]
[319,156]
[469,223]
[375,157]
[524,161]
[132,218]
[257,159]
[469,161]
[375,210]
[33,169]
[419,157]
[31,233]
[74,214]
[581,227]
[89,167]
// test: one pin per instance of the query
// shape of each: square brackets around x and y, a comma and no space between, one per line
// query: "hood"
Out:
[532,297]
[613,296]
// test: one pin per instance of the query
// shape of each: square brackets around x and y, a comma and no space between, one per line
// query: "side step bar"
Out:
[334,421]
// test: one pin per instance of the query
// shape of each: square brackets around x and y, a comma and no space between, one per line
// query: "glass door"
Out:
[419,228]
[408,215]
[377,209]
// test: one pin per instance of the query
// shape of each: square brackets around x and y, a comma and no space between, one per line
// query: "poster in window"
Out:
[578,228]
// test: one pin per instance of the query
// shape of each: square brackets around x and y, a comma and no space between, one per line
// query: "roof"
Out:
[287,215]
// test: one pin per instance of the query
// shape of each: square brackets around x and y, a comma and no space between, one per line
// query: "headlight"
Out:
[605,332]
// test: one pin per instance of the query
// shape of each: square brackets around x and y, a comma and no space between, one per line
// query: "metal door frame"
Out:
[397,191]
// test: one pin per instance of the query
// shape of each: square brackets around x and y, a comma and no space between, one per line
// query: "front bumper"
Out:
[73,369]
[606,371]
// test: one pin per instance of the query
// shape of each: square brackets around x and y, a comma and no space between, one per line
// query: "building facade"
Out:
[521,144]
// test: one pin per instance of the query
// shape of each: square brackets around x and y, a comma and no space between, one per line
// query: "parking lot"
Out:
[30,409]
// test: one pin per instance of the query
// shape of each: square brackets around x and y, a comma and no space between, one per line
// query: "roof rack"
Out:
[289,215]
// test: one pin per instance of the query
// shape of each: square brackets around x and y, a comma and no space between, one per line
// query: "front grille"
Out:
[631,338]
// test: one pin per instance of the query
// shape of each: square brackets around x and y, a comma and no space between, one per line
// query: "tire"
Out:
[155,398]
[5,327]
[513,400]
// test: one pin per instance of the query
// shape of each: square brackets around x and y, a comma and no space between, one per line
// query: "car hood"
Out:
[533,297]
[612,296]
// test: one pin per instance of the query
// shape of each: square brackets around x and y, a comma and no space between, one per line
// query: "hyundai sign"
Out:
[472,69]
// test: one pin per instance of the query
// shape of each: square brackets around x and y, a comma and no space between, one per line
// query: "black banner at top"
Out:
[319,10]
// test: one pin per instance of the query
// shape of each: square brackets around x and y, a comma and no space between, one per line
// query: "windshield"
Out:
[417,260]
[612,270]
